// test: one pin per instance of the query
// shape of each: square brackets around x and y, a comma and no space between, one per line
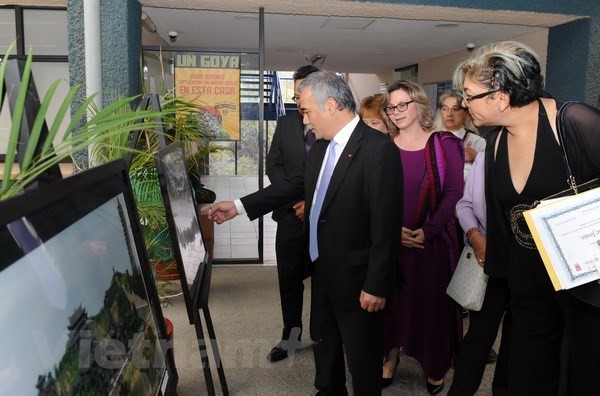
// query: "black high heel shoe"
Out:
[385,382]
[434,389]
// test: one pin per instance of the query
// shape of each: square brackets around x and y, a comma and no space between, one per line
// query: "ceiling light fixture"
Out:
[147,23]
[246,17]
[446,25]
[347,23]
[313,58]
[289,49]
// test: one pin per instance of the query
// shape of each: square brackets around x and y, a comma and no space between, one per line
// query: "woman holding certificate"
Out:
[502,85]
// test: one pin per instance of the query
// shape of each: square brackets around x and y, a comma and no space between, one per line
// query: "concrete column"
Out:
[121,39]
[573,66]
[121,47]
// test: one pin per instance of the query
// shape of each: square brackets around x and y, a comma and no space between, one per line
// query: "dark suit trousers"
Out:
[352,330]
[476,345]
[289,249]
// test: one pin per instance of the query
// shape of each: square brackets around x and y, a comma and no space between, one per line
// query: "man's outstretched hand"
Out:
[220,212]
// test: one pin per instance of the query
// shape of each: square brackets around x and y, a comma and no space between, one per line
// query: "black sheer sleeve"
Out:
[581,125]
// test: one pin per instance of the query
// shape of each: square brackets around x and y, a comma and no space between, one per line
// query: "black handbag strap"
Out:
[560,128]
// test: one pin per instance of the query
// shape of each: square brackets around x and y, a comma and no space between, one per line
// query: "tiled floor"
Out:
[238,239]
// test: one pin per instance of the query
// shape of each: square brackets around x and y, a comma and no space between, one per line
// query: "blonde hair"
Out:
[421,101]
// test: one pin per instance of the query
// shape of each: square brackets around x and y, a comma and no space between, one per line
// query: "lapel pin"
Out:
[349,155]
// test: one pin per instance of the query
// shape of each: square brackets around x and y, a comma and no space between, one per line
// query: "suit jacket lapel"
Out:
[342,165]
[313,168]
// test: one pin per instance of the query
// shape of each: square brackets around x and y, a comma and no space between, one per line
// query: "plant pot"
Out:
[169,327]
[166,271]
[170,332]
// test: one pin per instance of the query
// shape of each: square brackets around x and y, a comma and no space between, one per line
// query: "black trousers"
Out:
[350,331]
[476,345]
[289,249]
[540,317]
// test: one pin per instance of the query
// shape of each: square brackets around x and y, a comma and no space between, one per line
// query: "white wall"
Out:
[363,85]
[441,69]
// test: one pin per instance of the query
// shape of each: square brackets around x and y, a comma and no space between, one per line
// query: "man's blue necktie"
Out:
[313,247]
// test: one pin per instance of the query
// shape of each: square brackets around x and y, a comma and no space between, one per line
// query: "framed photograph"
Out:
[184,226]
[80,310]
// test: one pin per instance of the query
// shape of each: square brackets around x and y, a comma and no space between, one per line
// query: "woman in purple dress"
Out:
[421,319]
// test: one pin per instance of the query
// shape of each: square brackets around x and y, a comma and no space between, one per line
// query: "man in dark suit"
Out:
[352,183]
[291,142]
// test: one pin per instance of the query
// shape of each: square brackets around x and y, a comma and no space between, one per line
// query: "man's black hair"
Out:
[304,71]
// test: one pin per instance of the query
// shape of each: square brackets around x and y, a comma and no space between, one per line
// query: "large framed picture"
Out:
[80,311]
[188,242]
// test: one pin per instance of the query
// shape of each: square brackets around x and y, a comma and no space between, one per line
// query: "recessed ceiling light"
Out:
[347,23]
[289,49]
[246,17]
[446,25]
[378,53]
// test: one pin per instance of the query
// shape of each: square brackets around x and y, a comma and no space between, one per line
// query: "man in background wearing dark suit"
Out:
[352,183]
[291,142]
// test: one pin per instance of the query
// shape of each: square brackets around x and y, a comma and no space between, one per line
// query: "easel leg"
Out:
[215,348]
[210,387]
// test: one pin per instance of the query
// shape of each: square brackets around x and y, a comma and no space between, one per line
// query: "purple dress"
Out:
[421,318]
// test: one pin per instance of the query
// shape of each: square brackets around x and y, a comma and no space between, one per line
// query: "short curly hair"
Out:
[509,66]
[370,107]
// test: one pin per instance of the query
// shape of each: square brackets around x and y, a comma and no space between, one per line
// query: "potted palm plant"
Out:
[182,124]
[107,133]
[81,132]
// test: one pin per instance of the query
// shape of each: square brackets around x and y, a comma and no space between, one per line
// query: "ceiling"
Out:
[350,35]
[346,36]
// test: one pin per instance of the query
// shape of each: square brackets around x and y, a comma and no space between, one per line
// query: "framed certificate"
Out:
[566,232]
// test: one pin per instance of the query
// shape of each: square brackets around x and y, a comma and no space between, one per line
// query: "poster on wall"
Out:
[212,82]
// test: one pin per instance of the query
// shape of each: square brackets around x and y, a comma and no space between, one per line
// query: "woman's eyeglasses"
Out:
[453,109]
[478,96]
[402,106]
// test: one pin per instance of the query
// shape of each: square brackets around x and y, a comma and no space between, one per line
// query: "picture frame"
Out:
[186,234]
[79,291]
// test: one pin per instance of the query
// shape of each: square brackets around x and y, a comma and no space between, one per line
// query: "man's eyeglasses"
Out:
[402,106]
[478,96]
[453,109]
[295,98]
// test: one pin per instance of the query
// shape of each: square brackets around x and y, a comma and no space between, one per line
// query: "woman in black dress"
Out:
[502,85]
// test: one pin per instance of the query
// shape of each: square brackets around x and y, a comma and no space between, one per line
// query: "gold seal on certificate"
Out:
[566,232]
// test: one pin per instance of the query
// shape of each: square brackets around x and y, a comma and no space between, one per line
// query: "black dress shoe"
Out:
[277,354]
[434,389]
[492,357]
[385,382]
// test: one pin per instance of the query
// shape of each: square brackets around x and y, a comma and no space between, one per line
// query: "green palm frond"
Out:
[106,131]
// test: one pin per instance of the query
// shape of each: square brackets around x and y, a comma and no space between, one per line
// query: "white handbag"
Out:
[468,284]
